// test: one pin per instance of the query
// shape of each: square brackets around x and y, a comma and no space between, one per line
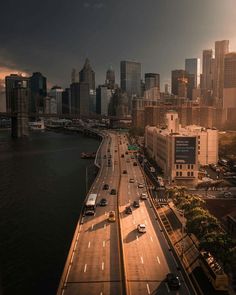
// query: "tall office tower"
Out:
[207,70]
[130,78]
[229,92]
[176,75]
[79,98]
[11,82]
[103,97]
[66,101]
[110,78]
[192,66]
[38,87]
[56,92]
[221,48]
[87,75]
[73,76]
[152,80]
[3,107]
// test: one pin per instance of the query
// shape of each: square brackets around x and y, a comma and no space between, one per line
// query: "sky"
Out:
[54,36]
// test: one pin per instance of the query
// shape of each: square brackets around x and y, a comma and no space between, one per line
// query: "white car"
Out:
[141,185]
[131,180]
[143,196]
[141,228]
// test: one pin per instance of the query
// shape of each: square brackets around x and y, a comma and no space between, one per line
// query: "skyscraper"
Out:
[181,79]
[11,82]
[130,77]
[79,98]
[192,66]
[229,92]
[56,92]
[103,97]
[207,70]
[176,75]
[87,75]
[152,80]
[38,87]
[110,78]
[221,48]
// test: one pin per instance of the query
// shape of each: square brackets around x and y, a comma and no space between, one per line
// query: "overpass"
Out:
[113,257]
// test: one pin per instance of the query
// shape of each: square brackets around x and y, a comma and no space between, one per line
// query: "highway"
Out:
[95,262]
[146,255]
[94,266]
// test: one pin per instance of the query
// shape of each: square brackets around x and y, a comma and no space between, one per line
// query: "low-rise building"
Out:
[179,151]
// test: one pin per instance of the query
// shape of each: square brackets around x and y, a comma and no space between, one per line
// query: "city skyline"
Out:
[54,45]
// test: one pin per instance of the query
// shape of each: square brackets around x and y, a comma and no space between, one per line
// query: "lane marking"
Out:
[134,222]
[158,260]
[68,273]
[151,239]
[141,257]
[103,243]
[102,265]
[72,257]
[145,221]
[92,226]
[148,289]
[89,244]
[76,244]
[137,238]
[105,226]
[85,267]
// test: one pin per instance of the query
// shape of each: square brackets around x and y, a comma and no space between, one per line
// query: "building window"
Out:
[177,173]
[188,173]
[188,166]
[192,166]
[192,173]
[180,174]
[199,152]
[177,166]
[171,117]
[180,166]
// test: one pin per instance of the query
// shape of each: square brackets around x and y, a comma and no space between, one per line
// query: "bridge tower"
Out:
[20,110]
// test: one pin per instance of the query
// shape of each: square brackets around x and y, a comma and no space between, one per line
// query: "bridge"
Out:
[108,257]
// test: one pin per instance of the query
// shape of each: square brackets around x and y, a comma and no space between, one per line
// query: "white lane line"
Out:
[134,222]
[145,221]
[137,238]
[129,201]
[85,267]
[151,239]
[105,226]
[105,213]
[68,273]
[89,244]
[167,288]
[158,260]
[148,289]
[103,243]
[76,244]
[101,293]
[141,257]
[92,226]
[102,265]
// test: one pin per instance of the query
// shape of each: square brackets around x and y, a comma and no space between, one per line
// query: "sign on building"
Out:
[185,150]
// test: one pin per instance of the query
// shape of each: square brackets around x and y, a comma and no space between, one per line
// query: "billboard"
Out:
[185,150]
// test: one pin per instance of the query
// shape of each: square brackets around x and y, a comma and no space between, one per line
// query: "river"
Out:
[42,188]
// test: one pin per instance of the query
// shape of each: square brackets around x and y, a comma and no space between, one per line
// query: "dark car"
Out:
[106,186]
[103,202]
[126,153]
[113,191]
[124,171]
[173,281]
[128,210]
[122,156]
[136,204]
[135,164]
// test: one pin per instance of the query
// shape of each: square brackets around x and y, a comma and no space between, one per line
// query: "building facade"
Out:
[87,75]
[130,77]
[152,80]
[192,66]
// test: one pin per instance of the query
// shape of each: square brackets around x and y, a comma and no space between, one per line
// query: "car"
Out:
[103,202]
[128,210]
[126,153]
[227,194]
[113,191]
[141,228]
[124,171]
[115,151]
[128,161]
[112,216]
[134,164]
[141,185]
[143,196]
[211,196]
[131,180]
[173,281]
[122,156]
[105,186]
[108,150]
[136,204]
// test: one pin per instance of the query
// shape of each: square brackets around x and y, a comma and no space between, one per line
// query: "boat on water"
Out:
[37,125]
[91,155]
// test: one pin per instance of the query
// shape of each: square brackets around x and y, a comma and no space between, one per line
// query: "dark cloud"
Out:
[55,36]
